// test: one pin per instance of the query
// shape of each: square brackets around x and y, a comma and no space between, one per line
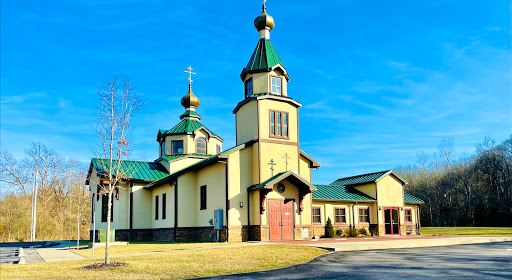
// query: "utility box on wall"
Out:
[218,221]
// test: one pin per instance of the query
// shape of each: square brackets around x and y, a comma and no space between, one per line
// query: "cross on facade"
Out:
[190,73]
[286,157]
[272,163]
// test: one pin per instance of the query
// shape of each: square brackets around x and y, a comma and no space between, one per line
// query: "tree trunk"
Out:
[107,244]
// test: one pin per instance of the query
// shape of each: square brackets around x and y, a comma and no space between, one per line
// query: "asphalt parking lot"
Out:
[8,251]
[476,261]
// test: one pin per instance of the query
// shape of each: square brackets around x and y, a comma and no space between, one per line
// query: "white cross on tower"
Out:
[190,73]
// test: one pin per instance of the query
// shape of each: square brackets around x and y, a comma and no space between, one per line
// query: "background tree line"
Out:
[474,190]
[61,196]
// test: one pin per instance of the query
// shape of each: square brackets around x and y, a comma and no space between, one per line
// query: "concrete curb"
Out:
[412,243]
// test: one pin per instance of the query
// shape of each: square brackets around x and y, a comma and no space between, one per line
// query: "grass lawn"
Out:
[467,231]
[173,265]
[146,247]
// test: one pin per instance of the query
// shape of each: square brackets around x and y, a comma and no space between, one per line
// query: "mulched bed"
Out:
[103,265]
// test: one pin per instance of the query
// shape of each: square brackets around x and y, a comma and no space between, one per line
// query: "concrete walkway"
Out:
[394,243]
[58,252]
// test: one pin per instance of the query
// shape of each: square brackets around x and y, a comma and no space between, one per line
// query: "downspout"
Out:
[131,211]
[418,221]
[227,201]
[175,208]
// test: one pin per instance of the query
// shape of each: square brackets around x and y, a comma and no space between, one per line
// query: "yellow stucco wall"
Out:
[169,219]
[214,178]
[265,105]
[276,152]
[182,163]
[414,212]
[369,189]
[390,194]
[305,171]
[141,207]
[247,122]
[261,81]
[255,208]
[240,170]
[187,199]
[327,211]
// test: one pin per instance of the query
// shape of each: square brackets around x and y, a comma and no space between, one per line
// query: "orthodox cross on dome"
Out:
[264,6]
[272,163]
[190,73]
[286,157]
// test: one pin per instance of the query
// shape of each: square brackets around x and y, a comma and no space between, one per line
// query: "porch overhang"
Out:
[267,186]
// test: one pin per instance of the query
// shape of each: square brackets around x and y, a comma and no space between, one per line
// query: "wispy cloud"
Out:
[16,99]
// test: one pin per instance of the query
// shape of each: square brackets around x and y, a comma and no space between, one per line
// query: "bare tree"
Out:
[116,106]
[14,173]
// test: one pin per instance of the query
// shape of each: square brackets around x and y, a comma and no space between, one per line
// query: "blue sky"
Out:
[379,81]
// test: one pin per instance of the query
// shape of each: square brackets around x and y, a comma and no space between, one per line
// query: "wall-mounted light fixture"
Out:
[402,208]
[241,204]
[380,208]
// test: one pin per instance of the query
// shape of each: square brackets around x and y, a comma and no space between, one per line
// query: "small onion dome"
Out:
[189,99]
[264,20]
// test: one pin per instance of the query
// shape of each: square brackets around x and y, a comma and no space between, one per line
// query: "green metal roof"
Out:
[207,161]
[264,57]
[184,127]
[360,179]
[408,198]
[136,170]
[340,193]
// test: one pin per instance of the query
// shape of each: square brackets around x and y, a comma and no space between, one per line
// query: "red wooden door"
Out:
[275,219]
[287,217]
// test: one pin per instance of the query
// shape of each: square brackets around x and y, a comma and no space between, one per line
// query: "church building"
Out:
[260,189]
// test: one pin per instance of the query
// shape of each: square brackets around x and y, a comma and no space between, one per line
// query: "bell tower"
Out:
[267,113]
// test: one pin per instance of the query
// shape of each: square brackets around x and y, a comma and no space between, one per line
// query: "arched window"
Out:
[201,145]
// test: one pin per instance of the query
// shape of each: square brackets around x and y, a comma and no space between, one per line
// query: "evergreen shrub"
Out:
[329,229]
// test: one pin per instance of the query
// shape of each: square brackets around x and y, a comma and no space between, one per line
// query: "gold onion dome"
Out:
[264,20]
[189,99]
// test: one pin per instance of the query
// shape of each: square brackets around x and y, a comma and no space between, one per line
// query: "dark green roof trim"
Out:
[330,192]
[186,126]
[262,96]
[263,59]
[269,183]
[169,158]
[190,113]
[131,170]
[212,159]
[408,198]
[365,178]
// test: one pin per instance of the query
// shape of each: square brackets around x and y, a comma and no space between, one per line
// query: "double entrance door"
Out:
[391,221]
[280,219]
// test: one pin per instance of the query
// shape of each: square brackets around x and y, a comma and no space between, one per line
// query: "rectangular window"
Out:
[203,197]
[272,122]
[278,124]
[201,145]
[276,85]
[164,205]
[177,147]
[408,215]
[316,215]
[363,215]
[156,207]
[104,208]
[162,149]
[218,149]
[248,88]
[339,216]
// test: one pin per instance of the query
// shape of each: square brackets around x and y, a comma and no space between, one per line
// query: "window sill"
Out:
[279,137]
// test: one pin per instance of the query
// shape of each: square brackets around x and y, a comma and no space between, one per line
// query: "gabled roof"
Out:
[264,58]
[133,170]
[365,178]
[290,176]
[186,126]
[329,192]
[408,198]
[211,159]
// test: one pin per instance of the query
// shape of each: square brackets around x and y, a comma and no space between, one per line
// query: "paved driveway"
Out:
[8,251]
[477,261]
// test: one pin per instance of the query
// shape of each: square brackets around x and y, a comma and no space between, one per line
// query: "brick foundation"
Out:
[237,234]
